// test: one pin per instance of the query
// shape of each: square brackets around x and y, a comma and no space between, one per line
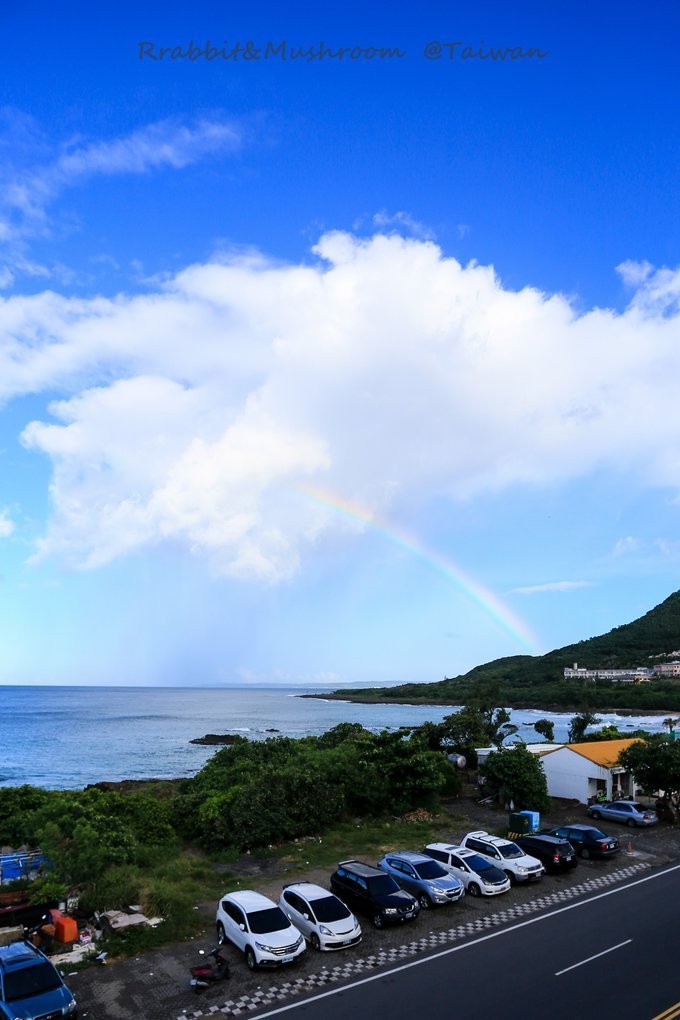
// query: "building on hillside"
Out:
[582,771]
[634,675]
[667,669]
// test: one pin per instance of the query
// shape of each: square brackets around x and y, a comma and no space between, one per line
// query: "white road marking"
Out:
[596,957]
[456,949]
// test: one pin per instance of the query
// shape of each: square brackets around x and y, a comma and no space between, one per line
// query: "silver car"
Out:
[323,919]
[423,877]
[628,812]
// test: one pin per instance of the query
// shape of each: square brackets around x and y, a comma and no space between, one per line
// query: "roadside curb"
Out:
[277,994]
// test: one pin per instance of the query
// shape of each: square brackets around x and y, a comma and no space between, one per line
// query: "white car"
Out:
[506,855]
[259,928]
[479,877]
[323,919]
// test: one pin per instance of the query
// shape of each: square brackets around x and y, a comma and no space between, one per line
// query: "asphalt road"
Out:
[615,955]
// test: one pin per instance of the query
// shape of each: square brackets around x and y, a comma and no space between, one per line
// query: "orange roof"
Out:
[602,752]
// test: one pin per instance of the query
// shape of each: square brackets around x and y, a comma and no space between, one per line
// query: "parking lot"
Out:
[155,985]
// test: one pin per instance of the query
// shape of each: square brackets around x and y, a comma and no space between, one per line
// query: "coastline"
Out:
[519,705]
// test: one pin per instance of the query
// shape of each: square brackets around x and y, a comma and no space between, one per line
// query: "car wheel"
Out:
[510,877]
[314,941]
[595,814]
[221,935]
[425,901]
[250,959]
[378,920]
[631,823]
[474,889]
[584,852]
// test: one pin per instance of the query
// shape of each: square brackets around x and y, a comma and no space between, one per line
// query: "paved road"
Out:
[615,955]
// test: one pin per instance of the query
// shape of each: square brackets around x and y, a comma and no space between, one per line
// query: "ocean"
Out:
[67,737]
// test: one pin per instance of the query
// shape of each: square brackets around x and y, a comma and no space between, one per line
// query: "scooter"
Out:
[215,968]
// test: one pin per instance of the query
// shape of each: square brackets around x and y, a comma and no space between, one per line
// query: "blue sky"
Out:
[333,370]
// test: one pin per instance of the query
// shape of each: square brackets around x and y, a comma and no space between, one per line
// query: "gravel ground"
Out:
[155,985]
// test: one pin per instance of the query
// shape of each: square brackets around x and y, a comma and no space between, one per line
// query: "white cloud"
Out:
[403,221]
[384,372]
[6,524]
[551,586]
[626,545]
[28,192]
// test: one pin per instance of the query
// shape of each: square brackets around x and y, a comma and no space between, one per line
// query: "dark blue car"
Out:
[31,988]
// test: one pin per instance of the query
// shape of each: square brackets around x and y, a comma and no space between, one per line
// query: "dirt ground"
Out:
[155,985]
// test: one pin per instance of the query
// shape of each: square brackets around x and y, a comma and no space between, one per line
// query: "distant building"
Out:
[668,669]
[636,675]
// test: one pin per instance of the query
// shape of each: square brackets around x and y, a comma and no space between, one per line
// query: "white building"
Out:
[639,674]
[581,771]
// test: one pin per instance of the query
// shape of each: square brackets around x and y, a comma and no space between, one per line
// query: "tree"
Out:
[477,724]
[655,766]
[579,724]
[517,775]
[545,728]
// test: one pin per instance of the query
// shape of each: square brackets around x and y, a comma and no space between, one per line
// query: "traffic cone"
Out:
[629,852]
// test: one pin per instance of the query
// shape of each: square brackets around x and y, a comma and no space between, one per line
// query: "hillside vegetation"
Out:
[528,680]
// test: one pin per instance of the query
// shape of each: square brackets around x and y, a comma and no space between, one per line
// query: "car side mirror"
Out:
[242,927]
[306,917]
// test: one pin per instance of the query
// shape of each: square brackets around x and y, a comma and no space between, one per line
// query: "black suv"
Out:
[31,987]
[587,841]
[372,892]
[555,854]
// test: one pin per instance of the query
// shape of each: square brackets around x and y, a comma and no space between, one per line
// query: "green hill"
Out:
[538,680]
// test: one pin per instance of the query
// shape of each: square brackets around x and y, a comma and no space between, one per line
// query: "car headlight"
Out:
[324,930]
[264,948]
[521,870]
[71,1007]
[390,910]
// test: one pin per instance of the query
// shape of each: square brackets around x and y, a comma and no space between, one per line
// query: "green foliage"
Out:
[579,724]
[476,724]
[545,728]
[254,793]
[48,888]
[655,765]
[517,775]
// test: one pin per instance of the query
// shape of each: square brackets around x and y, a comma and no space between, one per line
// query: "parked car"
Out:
[259,928]
[479,876]
[628,812]
[369,890]
[555,854]
[324,920]
[424,878]
[506,855]
[587,841]
[31,988]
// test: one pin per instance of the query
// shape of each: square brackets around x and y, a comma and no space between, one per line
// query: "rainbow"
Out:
[442,565]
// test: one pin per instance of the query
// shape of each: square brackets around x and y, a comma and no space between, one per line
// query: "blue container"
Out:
[533,820]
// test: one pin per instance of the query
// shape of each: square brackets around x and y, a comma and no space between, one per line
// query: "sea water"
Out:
[67,737]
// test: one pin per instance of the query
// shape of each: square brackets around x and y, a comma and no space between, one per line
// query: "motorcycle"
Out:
[215,968]
[41,935]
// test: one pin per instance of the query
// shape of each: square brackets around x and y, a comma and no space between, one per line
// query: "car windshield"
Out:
[510,851]
[330,908]
[382,885]
[478,864]
[31,981]
[263,921]
[429,870]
